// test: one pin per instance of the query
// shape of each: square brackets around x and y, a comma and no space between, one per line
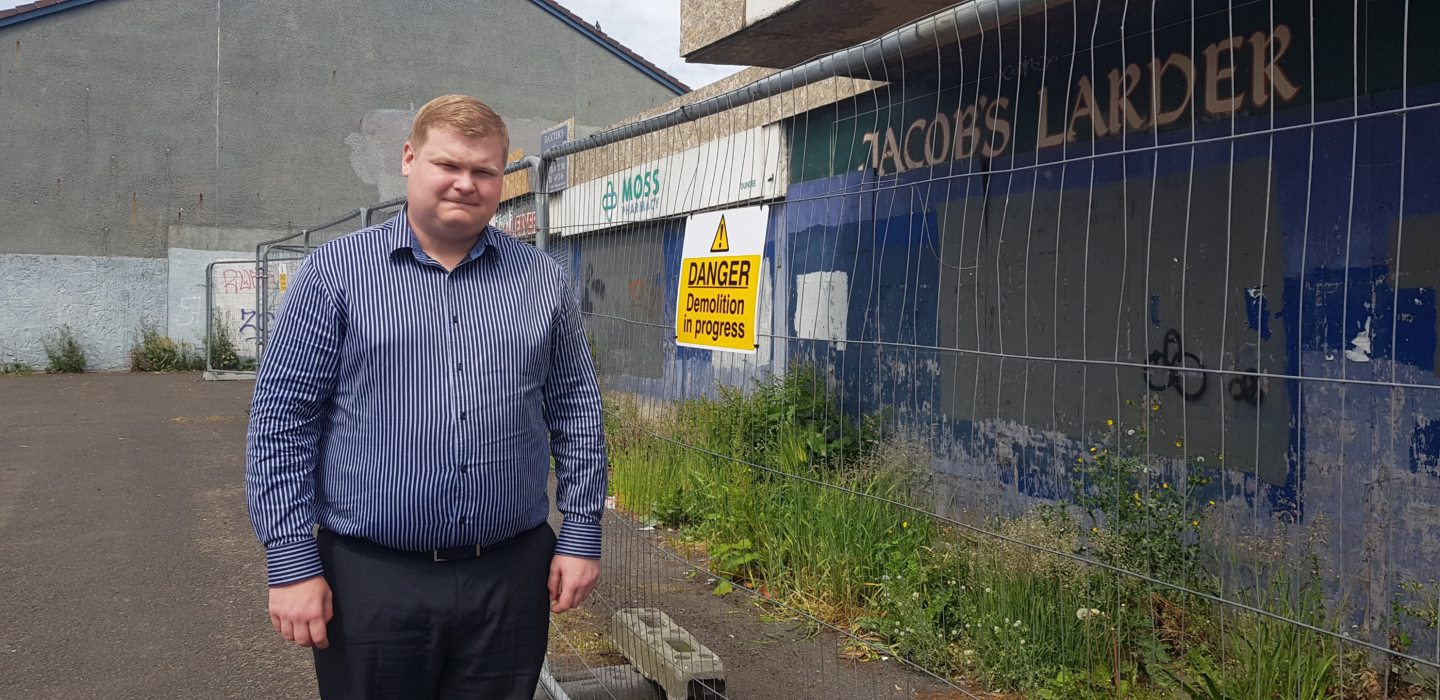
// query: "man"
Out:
[420,376]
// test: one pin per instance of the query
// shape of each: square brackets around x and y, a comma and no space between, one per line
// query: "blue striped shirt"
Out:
[419,408]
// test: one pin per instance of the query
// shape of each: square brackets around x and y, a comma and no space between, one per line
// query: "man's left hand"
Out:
[571,580]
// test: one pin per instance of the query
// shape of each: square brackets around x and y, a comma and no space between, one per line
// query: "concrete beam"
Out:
[665,653]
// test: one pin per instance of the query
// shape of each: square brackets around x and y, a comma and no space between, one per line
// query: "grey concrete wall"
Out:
[104,300]
[136,126]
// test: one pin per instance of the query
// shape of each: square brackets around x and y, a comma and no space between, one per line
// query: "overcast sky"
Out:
[650,28]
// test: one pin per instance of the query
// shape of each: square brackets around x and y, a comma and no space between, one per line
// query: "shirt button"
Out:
[457,366]
[462,415]
[454,319]
[462,520]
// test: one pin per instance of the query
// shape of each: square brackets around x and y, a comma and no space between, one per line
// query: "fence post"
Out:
[542,204]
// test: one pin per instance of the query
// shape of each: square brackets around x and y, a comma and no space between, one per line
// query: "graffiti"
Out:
[1176,361]
[236,280]
[248,328]
[1246,388]
[593,286]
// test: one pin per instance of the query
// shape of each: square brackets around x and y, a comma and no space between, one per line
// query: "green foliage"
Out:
[223,352]
[63,353]
[16,368]
[156,352]
[1251,655]
[821,541]
[788,495]
[1416,608]
[1138,519]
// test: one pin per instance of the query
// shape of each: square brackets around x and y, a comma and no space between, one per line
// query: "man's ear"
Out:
[406,158]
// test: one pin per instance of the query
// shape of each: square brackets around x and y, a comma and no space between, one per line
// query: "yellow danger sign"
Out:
[720,271]
[722,239]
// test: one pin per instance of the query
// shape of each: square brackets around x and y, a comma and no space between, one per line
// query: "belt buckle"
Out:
[435,554]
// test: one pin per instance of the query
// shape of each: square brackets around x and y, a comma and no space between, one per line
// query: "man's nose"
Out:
[465,182]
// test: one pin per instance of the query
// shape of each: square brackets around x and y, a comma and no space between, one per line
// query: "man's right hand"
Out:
[300,610]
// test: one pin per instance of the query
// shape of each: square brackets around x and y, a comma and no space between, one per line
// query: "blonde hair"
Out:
[463,114]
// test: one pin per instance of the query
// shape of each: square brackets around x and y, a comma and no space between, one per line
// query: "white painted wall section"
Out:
[104,300]
[822,302]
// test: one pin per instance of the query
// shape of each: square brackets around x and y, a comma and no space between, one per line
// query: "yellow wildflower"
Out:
[1109,422]
[1212,503]
[1165,485]
[1179,443]
[904,523]
[1092,450]
[1195,523]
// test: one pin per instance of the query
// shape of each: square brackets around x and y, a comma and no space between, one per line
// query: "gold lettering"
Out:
[1158,70]
[1267,75]
[967,137]
[891,151]
[1214,73]
[997,124]
[912,163]
[937,151]
[1086,107]
[1045,138]
[872,139]
[1120,89]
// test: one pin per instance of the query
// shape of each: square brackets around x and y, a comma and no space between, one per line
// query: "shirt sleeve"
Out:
[577,439]
[287,414]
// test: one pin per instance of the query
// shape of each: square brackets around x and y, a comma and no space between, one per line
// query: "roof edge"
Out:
[609,43]
[37,9]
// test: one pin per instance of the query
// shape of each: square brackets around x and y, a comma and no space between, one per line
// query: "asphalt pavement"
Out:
[127,565]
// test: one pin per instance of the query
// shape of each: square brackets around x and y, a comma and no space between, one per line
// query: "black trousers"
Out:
[409,627]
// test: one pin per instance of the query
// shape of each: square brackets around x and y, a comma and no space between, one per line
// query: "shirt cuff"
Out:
[290,563]
[578,540]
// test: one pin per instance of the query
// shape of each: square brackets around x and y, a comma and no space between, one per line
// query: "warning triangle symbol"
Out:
[722,239]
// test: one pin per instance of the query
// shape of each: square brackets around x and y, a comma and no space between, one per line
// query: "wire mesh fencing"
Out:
[1089,354]
[1066,348]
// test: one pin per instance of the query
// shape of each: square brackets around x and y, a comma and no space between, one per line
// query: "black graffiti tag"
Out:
[1172,365]
[1246,388]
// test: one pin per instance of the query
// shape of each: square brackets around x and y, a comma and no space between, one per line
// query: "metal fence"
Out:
[1090,350]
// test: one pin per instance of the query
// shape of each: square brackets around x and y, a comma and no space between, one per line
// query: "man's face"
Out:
[454,182]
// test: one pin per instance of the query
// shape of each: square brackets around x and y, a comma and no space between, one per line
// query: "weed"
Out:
[63,352]
[156,352]
[223,352]
[16,368]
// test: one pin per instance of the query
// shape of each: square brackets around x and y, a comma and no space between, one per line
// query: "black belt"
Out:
[447,554]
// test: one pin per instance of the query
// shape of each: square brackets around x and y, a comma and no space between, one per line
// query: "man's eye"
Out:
[446,166]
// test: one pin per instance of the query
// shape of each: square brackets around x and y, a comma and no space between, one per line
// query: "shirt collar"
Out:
[401,236]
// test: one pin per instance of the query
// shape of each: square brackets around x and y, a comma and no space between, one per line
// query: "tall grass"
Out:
[787,494]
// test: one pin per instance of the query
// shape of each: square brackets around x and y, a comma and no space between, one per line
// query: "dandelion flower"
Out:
[1092,450]
[1165,485]
[1179,443]
[1079,460]
[1130,431]
[904,523]
[1109,422]
[1195,523]
[1211,503]
[996,630]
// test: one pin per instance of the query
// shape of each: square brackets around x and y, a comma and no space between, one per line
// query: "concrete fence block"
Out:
[665,653]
